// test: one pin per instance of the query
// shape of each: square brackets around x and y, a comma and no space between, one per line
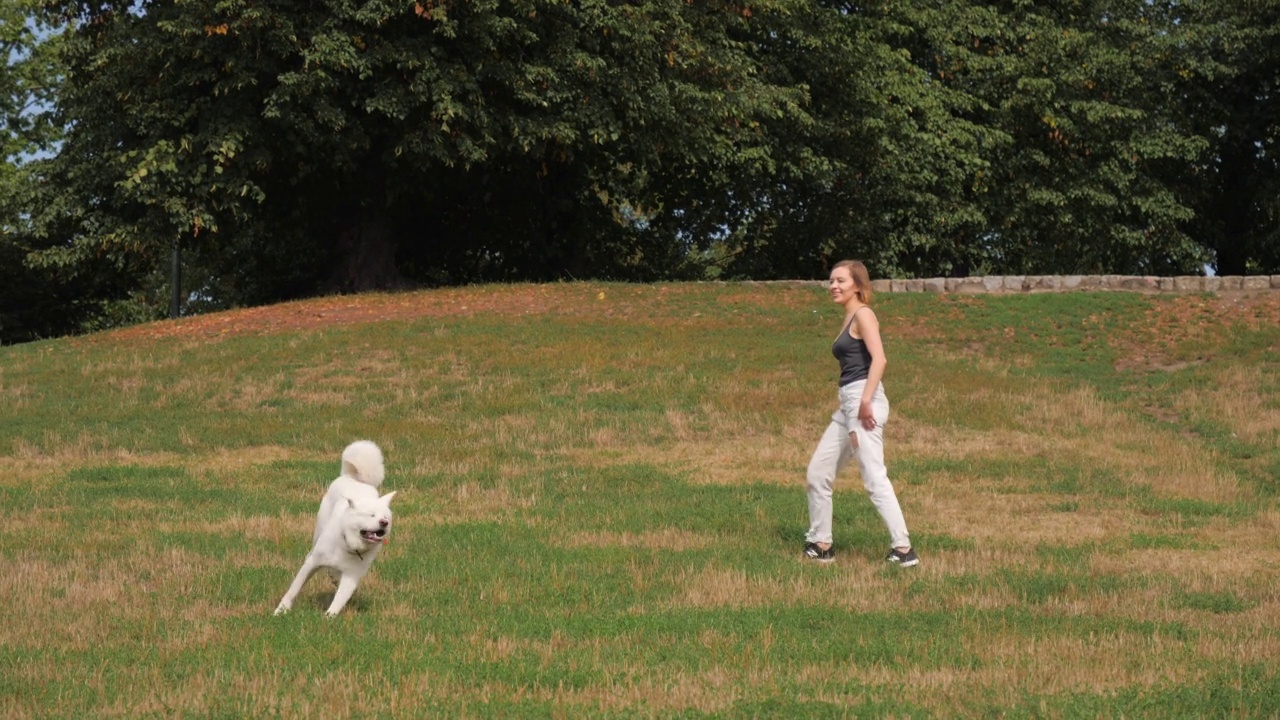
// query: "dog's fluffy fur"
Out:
[351,528]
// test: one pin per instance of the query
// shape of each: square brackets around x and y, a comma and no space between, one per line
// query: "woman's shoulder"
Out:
[863,312]
[864,321]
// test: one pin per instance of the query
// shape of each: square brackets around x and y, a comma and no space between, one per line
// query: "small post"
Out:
[175,281]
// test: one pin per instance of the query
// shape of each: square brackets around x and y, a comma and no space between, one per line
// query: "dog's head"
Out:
[367,523]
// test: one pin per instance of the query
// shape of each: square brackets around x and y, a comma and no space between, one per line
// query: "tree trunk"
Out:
[1235,208]
[366,256]
[563,252]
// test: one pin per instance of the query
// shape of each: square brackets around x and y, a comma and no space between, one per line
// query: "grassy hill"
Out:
[601,509]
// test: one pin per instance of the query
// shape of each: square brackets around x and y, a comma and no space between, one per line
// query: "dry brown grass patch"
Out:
[228,460]
[44,463]
[128,386]
[260,692]
[1172,326]
[1080,426]
[15,397]
[664,539]
[637,693]
[503,648]
[1233,399]
[263,535]
[1198,570]
[746,456]
[908,438]
[708,691]
[746,460]
[713,690]
[48,462]
[959,508]
[246,395]
[91,597]
[847,584]
[713,587]
[1100,662]
[335,383]
[1248,638]
[521,431]
[322,397]
[1011,663]
[470,502]
[1260,530]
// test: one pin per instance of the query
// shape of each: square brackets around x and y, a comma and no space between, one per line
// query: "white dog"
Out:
[351,528]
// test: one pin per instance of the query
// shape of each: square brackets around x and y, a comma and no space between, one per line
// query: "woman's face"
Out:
[843,288]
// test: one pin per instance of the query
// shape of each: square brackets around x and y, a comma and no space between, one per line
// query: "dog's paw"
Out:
[281,609]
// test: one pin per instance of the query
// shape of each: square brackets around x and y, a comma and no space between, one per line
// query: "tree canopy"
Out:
[287,148]
[32,304]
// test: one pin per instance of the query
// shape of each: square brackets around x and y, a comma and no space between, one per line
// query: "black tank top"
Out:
[853,356]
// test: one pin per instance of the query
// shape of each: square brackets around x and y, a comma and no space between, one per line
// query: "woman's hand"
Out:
[865,417]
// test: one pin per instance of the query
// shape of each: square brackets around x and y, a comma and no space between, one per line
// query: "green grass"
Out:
[601,506]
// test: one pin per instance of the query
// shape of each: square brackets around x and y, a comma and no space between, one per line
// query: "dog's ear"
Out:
[387,498]
[350,503]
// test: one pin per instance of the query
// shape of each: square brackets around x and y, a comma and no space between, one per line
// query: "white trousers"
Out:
[833,454]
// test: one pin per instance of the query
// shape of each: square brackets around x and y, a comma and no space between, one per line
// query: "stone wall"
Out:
[1066,283]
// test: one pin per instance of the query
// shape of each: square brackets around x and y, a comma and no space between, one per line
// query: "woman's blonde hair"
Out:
[861,278]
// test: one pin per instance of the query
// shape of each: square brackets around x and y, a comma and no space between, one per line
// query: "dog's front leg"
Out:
[346,586]
[309,568]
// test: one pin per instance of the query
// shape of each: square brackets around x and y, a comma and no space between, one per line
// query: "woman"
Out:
[857,428]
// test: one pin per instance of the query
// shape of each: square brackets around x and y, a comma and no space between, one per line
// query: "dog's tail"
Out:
[362,460]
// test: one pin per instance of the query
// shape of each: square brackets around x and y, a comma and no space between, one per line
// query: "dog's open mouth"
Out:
[374,536]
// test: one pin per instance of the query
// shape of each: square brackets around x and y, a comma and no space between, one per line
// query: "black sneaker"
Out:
[813,552]
[903,559]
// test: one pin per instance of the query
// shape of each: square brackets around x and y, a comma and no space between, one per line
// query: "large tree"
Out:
[34,302]
[1013,137]
[878,169]
[287,147]
[356,142]
[1071,99]
[1228,92]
